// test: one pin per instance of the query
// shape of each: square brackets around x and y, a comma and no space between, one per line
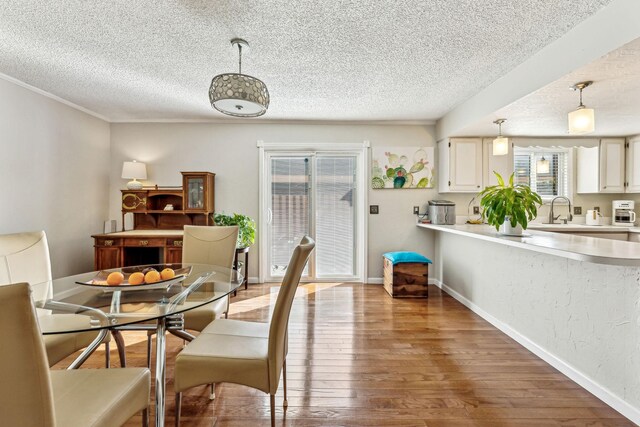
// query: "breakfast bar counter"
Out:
[573,301]
[579,248]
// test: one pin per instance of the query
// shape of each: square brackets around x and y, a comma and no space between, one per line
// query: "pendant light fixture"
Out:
[581,120]
[501,143]
[237,94]
[542,165]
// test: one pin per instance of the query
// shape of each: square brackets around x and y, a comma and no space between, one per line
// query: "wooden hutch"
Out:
[159,215]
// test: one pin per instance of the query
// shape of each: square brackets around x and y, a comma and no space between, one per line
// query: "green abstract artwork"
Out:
[402,167]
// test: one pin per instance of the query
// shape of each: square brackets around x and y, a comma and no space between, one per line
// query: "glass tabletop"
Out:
[86,302]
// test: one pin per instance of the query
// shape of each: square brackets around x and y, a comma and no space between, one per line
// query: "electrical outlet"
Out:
[373,209]
[416,210]
[476,210]
[577,210]
[596,208]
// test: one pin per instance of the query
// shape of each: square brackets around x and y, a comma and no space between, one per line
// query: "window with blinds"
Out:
[314,195]
[290,205]
[335,216]
[527,170]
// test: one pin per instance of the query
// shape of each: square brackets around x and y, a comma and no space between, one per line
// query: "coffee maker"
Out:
[623,213]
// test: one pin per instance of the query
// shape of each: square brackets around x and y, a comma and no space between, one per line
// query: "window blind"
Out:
[335,216]
[290,203]
[548,185]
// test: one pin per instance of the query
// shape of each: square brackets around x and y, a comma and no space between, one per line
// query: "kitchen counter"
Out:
[579,248]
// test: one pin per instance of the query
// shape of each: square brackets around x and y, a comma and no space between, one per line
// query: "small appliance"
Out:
[623,213]
[593,217]
[442,212]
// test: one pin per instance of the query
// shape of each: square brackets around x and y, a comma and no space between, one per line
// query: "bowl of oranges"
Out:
[143,277]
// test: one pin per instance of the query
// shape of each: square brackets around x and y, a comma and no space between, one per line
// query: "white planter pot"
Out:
[508,230]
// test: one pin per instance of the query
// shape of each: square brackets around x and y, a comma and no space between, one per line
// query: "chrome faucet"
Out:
[552,219]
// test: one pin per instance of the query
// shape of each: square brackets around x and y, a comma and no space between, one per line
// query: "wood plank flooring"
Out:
[357,357]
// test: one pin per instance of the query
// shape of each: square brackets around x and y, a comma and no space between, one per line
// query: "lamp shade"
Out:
[134,170]
[239,95]
[500,146]
[581,121]
[542,165]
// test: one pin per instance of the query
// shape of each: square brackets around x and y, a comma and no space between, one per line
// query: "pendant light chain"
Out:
[240,60]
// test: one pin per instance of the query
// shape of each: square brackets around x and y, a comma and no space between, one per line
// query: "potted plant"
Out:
[509,208]
[246,227]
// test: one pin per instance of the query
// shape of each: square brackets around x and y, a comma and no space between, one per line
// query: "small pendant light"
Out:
[542,165]
[582,119]
[501,143]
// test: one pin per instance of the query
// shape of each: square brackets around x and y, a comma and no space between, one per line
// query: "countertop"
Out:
[583,228]
[580,248]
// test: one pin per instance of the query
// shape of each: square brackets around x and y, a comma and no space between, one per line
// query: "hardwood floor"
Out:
[359,357]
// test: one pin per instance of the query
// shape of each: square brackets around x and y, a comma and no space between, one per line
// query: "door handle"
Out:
[269,216]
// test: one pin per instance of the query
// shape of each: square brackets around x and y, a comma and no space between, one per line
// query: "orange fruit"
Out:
[152,276]
[115,278]
[167,274]
[136,278]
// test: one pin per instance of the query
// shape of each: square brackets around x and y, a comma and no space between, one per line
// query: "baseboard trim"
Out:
[380,281]
[575,375]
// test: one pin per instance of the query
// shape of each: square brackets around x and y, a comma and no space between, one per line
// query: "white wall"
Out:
[54,174]
[230,151]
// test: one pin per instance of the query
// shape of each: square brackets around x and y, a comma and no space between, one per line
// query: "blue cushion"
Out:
[403,256]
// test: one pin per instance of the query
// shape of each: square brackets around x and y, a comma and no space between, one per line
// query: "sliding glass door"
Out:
[313,194]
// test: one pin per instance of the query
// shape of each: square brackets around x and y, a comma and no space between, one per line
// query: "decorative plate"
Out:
[100,279]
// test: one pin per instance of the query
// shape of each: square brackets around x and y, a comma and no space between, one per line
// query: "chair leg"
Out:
[117,335]
[272,399]
[212,394]
[107,355]
[284,383]
[145,417]
[149,338]
[178,408]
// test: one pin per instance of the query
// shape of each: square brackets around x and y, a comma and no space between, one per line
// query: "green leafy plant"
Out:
[517,203]
[246,227]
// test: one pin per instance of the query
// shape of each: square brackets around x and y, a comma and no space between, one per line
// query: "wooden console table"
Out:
[137,247]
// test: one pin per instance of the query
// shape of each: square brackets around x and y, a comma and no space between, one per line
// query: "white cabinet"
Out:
[602,169]
[501,164]
[612,165]
[460,165]
[633,165]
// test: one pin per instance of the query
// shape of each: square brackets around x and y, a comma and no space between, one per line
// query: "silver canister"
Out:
[442,212]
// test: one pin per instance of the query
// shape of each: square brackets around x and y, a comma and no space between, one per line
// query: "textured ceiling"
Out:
[321,60]
[614,95]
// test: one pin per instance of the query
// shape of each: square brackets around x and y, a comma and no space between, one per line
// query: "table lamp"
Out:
[134,171]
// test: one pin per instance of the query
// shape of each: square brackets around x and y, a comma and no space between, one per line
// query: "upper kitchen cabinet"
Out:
[633,165]
[460,165]
[501,164]
[602,169]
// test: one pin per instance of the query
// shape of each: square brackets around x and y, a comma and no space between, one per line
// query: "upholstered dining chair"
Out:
[242,352]
[32,395]
[205,245]
[24,257]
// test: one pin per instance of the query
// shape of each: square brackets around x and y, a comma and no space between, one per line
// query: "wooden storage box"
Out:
[407,279]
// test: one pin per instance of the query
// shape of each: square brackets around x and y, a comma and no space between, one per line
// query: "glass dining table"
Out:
[159,306]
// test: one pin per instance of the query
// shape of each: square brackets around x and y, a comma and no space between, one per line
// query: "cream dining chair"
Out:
[242,352]
[205,245]
[32,395]
[24,257]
